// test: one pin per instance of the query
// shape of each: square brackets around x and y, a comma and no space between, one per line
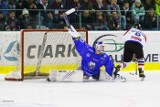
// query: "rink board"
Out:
[131,67]
[112,40]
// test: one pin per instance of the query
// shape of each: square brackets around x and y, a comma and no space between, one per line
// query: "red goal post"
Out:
[53,51]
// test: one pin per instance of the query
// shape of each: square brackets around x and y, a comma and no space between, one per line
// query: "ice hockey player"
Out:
[134,40]
[93,58]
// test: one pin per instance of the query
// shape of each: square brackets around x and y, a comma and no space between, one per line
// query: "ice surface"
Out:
[40,93]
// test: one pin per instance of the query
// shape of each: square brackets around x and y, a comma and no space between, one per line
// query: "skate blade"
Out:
[120,79]
[142,79]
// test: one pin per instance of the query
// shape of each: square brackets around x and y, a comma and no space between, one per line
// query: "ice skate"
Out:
[141,74]
[116,76]
[117,69]
[48,79]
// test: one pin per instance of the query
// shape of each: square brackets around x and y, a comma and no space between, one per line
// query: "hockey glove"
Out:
[72,31]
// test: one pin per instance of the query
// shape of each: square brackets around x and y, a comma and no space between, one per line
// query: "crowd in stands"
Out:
[90,14]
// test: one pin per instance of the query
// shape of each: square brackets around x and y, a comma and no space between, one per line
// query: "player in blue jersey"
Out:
[93,58]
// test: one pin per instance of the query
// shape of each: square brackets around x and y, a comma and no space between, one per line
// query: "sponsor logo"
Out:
[12,51]
[112,43]
[51,51]
[91,65]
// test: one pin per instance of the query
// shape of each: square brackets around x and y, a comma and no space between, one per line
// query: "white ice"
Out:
[40,93]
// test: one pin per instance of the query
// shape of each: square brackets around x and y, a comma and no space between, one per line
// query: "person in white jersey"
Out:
[134,41]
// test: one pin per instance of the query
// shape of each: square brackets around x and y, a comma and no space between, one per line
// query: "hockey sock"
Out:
[141,64]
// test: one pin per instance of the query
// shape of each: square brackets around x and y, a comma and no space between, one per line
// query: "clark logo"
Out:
[112,43]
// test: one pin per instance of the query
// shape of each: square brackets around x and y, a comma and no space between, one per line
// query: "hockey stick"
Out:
[136,66]
[66,16]
[134,59]
[136,69]
[41,54]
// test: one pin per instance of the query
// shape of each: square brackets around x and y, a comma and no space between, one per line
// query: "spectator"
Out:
[74,17]
[114,21]
[138,12]
[104,1]
[100,22]
[46,16]
[73,4]
[20,5]
[2,21]
[112,7]
[126,16]
[4,7]
[148,4]
[131,2]
[33,12]
[51,1]
[87,20]
[86,5]
[12,4]
[150,22]
[157,9]
[11,21]
[49,17]
[87,16]
[100,5]
[24,19]
[58,7]
[121,2]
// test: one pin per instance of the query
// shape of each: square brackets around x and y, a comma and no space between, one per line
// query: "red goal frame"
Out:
[22,46]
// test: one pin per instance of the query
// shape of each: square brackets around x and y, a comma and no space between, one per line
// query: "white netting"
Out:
[14,75]
[59,52]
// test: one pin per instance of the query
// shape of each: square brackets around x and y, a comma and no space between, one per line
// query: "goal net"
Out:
[43,50]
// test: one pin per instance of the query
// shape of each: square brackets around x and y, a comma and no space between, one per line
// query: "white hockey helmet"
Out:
[99,45]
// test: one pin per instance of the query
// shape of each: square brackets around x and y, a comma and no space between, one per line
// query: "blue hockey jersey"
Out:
[92,62]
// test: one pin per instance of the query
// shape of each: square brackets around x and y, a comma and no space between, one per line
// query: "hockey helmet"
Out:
[137,26]
[99,45]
